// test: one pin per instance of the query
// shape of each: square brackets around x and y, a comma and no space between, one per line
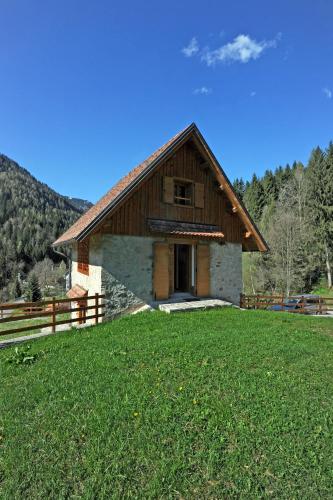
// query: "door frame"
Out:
[188,267]
[194,244]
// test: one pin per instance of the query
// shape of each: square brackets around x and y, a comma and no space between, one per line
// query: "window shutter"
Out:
[171,268]
[161,271]
[168,194]
[199,196]
[203,271]
[83,257]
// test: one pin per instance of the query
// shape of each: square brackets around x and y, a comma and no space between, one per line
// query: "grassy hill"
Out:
[218,404]
[32,216]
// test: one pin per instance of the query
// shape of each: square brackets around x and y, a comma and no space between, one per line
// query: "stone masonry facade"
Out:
[122,268]
[226,281]
[127,274]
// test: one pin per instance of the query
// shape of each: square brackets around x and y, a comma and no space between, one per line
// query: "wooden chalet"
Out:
[173,225]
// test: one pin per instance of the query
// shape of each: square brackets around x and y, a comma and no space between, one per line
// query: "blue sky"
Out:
[88,89]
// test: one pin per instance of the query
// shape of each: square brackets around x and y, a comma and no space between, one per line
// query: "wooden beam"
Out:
[202,146]
[204,165]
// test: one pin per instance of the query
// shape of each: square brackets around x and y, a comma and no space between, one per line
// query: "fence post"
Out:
[53,315]
[302,305]
[96,308]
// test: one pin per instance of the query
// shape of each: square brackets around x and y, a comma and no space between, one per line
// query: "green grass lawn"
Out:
[22,323]
[323,291]
[217,404]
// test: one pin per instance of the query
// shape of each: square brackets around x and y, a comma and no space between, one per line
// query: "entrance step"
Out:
[193,305]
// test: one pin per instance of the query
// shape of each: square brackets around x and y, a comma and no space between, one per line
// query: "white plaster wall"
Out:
[226,279]
[92,282]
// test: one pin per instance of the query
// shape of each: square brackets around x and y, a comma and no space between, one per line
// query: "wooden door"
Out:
[161,271]
[203,271]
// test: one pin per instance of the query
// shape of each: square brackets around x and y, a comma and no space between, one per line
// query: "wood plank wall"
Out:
[146,201]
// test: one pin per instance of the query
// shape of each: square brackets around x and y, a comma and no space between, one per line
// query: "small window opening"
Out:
[183,193]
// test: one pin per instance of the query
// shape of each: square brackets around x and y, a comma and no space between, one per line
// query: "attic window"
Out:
[83,257]
[183,193]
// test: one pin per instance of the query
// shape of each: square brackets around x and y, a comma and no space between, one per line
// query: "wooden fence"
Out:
[323,305]
[53,308]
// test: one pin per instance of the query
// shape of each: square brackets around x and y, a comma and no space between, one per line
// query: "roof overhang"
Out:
[193,132]
[132,186]
[185,229]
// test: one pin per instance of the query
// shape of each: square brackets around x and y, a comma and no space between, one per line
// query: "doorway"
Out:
[182,268]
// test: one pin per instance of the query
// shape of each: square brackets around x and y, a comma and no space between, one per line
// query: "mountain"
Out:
[78,204]
[32,216]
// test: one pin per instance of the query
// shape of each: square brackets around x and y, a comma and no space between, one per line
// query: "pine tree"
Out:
[254,198]
[270,187]
[320,179]
[18,289]
[239,187]
[33,293]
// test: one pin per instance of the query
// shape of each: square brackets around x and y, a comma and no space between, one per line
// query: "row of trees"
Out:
[293,207]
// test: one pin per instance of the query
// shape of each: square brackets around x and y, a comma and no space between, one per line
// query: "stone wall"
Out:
[127,274]
[122,268]
[226,279]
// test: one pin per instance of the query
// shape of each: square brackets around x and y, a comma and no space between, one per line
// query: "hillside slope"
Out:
[217,404]
[31,216]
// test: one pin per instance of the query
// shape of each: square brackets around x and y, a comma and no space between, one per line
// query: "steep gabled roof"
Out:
[88,221]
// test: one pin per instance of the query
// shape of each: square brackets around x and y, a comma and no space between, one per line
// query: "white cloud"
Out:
[242,49]
[253,93]
[328,93]
[202,90]
[192,48]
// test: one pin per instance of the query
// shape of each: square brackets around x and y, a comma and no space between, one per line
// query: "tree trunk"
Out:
[252,283]
[328,267]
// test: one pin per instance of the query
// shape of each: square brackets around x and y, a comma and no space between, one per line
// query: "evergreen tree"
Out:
[18,289]
[33,293]
[320,177]
[239,187]
[254,198]
[270,187]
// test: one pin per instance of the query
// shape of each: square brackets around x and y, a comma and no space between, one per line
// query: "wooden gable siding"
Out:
[147,201]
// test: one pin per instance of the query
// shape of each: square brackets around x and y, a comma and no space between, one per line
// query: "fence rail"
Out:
[52,308]
[305,305]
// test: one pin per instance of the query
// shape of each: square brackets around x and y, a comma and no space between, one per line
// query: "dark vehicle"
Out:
[307,304]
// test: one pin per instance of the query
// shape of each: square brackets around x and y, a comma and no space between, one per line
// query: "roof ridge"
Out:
[116,190]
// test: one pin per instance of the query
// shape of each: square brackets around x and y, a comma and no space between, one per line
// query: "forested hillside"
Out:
[293,207]
[32,216]
[78,204]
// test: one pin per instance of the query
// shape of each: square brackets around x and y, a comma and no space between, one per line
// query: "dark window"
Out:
[183,193]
